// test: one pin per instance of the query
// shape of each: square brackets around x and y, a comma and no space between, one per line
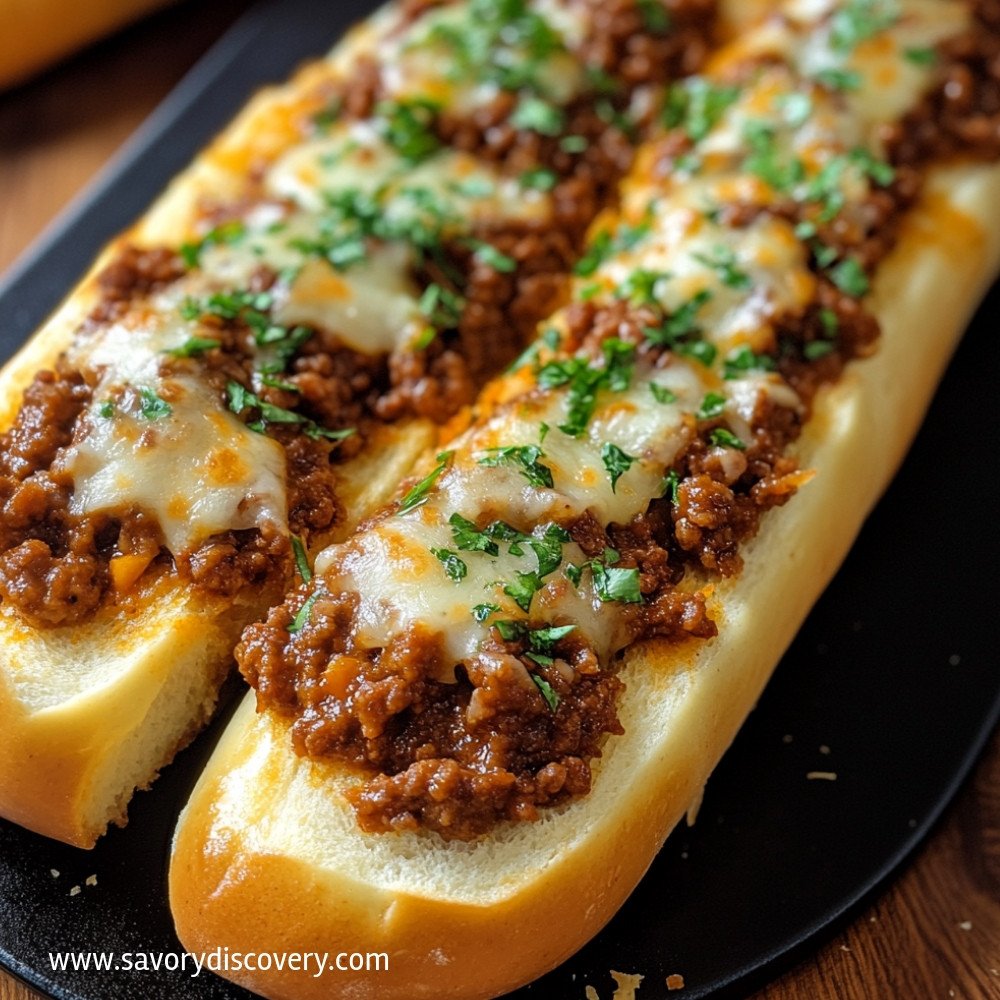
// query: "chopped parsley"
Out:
[697,105]
[835,78]
[655,16]
[241,398]
[611,583]
[301,560]
[469,538]
[106,409]
[742,359]
[193,347]
[723,261]
[226,233]
[600,249]
[534,114]
[849,276]
[418,493]
[473,187]
[670,485]
[817,349]
[408,126]
[766,161]
[585,381]
[712,406]
[662,394]
[603,245]
[251,308]
[499,41]
[482,611]
[304,613]
[548,692]
[616,462]
[454,567]
[726,439]
[681,332]
[489,255]
[921,56]
[152,406]
[524,458]
[639,286]
[859,20]
[616,583]
[441,306]
[826,186]
[523,589]
[539,179]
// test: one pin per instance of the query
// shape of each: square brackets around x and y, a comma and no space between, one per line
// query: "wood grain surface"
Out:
[935,933]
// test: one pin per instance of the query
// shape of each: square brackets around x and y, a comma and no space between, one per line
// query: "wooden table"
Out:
[934,934]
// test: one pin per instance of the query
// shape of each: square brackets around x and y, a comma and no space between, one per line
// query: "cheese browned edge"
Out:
[268,856]
[91,712]
[34,33]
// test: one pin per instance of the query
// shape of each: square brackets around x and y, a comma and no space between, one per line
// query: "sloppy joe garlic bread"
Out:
[478,721]
[253,368]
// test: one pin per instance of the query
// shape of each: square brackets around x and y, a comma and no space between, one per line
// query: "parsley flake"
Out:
[416,496]
[662,394]
[525,458]
[849,276]
[301,559]
[454,567]
[534,114]
[304,613]
[482,611]
[152,406]
[712,406]
[616,462]
[548,692]
[725,438]
[193,347]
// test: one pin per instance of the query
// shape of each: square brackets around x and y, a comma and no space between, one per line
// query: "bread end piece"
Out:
[268,857]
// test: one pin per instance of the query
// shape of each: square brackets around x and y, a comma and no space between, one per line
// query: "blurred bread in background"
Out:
[36,33]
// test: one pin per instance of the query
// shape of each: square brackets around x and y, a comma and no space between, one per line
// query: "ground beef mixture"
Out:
[54,566]
[453,757]
[459,757]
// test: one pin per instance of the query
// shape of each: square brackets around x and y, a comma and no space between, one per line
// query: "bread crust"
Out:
[267,855]
[163,654]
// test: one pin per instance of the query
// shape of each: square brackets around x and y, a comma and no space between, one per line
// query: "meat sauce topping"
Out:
[462,648]
[399,250]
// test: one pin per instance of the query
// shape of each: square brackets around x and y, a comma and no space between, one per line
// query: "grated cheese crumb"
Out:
[821,776]
[966,925]
[91,880]
[54,872]
[591,993]
[75,891]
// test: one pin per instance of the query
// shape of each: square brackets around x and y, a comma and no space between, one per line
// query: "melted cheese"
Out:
[889,84]
[198,469]
[373,308]
[753,275]
[399,580]
[417,63]
[371,305]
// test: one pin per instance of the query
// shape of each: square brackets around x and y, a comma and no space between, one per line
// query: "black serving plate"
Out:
[894,672]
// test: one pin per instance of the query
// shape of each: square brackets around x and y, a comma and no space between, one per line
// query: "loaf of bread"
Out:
[421,777]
